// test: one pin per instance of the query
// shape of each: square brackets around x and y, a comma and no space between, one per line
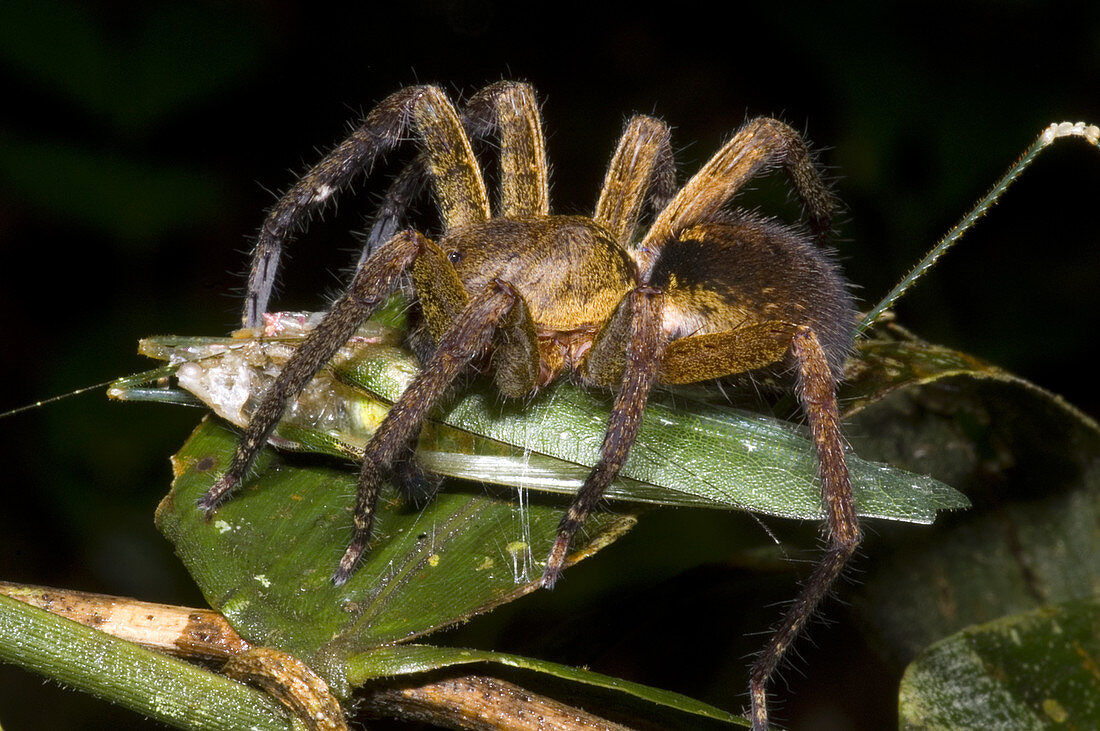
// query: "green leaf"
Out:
[1029,461]
[1033,670]
[405,659]
[265,560]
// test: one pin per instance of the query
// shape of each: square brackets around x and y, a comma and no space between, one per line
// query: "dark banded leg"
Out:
[643,359]
[372,284]
[817,392]
[394,206]
[471,335]
[460,189]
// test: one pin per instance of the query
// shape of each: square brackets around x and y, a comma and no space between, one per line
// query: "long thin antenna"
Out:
[55,399]
[1050,135]
[133,387]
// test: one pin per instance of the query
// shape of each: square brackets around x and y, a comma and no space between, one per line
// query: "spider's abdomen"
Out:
[726,275]
[568,270]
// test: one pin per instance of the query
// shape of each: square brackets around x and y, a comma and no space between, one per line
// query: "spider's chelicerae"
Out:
[705,292]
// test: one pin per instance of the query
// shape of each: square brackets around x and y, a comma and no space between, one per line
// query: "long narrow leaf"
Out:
[404,659]
[687,453]
[152,684]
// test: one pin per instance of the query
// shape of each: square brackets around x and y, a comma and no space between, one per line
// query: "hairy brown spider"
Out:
[706,292]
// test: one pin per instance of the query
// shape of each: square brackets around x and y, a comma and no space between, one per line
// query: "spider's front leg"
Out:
[374,281]
[470,336]
[634,328]
[507,109]
[447,156]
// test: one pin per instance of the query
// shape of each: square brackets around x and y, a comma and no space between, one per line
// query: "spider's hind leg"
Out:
[703,357]
[817,393]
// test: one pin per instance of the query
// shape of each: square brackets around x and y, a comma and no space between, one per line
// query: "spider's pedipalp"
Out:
[459,185]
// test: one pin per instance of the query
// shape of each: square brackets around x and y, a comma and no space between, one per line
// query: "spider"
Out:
[526,296]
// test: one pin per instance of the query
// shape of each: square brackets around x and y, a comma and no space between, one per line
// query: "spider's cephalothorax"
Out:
[706,292]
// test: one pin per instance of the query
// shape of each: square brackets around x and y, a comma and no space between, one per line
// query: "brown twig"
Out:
[478,703]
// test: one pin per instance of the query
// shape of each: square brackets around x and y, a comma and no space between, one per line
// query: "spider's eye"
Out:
[455,257]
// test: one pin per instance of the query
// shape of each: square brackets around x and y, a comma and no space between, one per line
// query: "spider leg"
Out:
[511,108]
[704,357]
[390,215]
[459,186]
[469,337]
[758,146]
[817,392]
[642,167]
[372,284]
[637,322]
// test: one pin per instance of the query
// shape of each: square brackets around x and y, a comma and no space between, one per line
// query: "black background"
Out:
[141,143]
